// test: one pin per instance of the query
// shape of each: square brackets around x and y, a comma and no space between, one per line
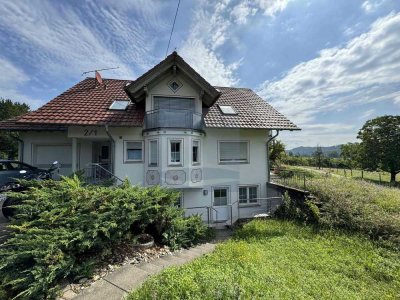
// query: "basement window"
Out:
[227,110]
[119,105]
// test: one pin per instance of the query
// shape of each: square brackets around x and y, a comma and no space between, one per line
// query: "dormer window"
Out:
[227,110]
[119,104]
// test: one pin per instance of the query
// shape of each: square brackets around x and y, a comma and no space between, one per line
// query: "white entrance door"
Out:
[220,204]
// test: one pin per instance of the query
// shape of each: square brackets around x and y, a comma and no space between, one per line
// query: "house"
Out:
[168,127]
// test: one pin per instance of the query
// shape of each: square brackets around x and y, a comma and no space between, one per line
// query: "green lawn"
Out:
[375,177]
[282,260]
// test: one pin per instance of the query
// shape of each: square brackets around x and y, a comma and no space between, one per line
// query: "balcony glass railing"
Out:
[173,118]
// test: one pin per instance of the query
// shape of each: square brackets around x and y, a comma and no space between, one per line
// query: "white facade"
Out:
[127,151]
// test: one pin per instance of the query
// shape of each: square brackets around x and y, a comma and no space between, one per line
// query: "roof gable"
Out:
[173,63]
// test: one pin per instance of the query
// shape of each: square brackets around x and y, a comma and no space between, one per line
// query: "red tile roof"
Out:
[87,103]
[252,111]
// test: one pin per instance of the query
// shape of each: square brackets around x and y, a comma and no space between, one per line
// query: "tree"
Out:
[9,109]
[276,151]
[333,154]
[318,157]
[350,153]
[380,146]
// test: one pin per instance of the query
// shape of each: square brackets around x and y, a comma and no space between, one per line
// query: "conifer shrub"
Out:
[61,227]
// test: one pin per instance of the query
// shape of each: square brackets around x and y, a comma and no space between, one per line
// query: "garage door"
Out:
[45,155]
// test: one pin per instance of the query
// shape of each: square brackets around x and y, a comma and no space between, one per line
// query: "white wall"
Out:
[233,175]
[134,171]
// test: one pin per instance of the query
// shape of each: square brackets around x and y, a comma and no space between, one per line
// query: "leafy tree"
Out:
[350,153]
[9,109]
[276,151]
[380,146]
[318,157]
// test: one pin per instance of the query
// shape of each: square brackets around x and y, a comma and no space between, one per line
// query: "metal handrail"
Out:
[172,110]
[231,206]
[216,212]
[173,118]
[202,207]
[108,172]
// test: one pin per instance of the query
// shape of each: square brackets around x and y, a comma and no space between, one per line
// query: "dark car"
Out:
[10,170]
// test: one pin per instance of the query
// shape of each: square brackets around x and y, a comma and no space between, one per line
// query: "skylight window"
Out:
[119,105]
[227,110]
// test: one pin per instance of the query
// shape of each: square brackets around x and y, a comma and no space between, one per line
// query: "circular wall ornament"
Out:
[175,177]
[153,177]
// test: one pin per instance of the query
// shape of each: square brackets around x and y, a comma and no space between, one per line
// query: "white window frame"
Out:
[170,162]
[228,194]
[149,153]
[198,162]
[224,162]
[126,160]
[247,186]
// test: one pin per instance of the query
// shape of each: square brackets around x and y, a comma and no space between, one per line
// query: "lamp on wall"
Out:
[205,192]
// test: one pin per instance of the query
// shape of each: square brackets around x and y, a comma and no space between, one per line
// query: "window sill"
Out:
[245,205]
[175,165]
[133,161]
[233,162]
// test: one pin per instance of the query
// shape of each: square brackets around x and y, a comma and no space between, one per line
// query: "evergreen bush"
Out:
[62,226]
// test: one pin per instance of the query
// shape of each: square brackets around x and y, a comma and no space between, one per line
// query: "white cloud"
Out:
[370,6]
[323,134]
[367,114]
[271,7]
[242,11]
[209,31]
[213,25]
[11,80]
[366,70]
[62,41]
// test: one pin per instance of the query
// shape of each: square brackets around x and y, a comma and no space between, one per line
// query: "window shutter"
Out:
[174,103]
[233,151]
[134,151]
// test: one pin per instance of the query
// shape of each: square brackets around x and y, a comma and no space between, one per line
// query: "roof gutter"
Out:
[112,148]
[268,162]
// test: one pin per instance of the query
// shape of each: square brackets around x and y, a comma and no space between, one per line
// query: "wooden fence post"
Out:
[362,174]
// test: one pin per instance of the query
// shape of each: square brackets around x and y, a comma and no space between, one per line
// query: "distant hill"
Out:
[308,151]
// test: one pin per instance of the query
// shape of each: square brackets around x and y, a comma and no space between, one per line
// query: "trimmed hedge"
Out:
[61,227]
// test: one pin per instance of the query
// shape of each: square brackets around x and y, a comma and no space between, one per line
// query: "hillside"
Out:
[308,151]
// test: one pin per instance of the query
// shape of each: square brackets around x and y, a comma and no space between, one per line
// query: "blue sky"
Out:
[327,65]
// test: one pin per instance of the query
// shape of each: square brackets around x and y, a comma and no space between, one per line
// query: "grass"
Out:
[356,205]
[372,176]
[283,260]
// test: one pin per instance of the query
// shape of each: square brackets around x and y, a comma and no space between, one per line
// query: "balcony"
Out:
[173,118]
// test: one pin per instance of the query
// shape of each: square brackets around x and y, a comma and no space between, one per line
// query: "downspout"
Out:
[20,147]
[112,149]
[268,166]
